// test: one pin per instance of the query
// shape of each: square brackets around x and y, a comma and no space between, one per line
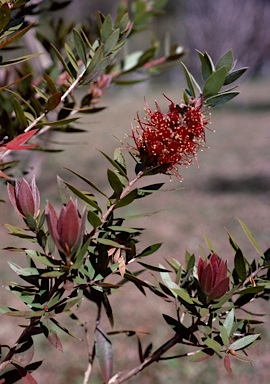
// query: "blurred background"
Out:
[232,181]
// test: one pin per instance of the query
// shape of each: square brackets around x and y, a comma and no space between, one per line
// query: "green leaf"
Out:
[59,56]
[123,23]
[19,59]
[94,219]
[104,353]
[80,46]
[213,344]
[251,238]
[149,189]
[45,260]
[87,181]
[16,36]
[78,258]
[95,61]
[183,294]
[149,250]
[110,243]
[132,195]
[73,65]
[220,98]
[214,82]
[119,228]
[232,76]
[115,164]
[240,265]
[5,16]
[178,328]
[226,60]
[50,84]
[115,183]
[224,335]
[106,29]
[191,82]
[19,114]
[209,243]
[152,267]
[120,160]
[23,271]
[84,196]
[52,274]
[229,321]
[207,65]
[111,42]
[243,342]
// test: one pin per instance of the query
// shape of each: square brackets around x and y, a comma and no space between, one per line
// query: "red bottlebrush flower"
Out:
[66,230]
[172,138]
[25,197]
[212,275]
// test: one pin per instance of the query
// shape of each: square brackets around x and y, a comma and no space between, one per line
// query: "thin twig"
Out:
[91,351]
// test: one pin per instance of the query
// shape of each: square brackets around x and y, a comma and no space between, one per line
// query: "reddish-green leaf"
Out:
[53,101]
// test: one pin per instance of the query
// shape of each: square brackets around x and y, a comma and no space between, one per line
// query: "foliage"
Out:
[88,253]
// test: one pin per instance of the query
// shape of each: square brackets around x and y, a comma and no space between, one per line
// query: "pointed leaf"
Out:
[115,183]
[240,265]
[251,238]
[19,114]
[111,42]
[59,56]
[224,335]
[50,84]
[87,181]
[229,321]
[80,46]
[226,60]
[243,342]
[149,250]
[220,98]
[104,352]
[202,355]
[132,195]
[115,164]
[207,65]
[94,219]
[214,82]
[84,196]
[53,101]
[5,16]
[213,344]
[16,37]
[231,77]
[189,81]
[227,365]
[183,294]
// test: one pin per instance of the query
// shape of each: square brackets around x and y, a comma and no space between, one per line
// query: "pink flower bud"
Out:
[25,197]
[213,277]
[66,230]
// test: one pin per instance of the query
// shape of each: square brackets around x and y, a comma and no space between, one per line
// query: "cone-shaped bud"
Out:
[25,197]
[213,277]
[66,230]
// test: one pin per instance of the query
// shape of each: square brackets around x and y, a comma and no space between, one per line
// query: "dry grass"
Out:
[233,181]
